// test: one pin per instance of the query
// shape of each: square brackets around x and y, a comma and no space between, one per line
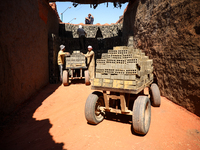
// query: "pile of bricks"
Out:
[76,60]
[123,68]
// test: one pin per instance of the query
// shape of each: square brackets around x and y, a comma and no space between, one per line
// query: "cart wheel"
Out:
[93,114]
[141,117]
[65,78]
[87,78]
[155,95]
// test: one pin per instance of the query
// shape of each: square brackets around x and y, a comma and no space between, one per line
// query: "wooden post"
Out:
[123,102]
[106,100]
[81,73]
[127,99]
[116,102]
[72,71]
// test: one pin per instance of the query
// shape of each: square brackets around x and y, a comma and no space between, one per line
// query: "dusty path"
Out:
[54,119]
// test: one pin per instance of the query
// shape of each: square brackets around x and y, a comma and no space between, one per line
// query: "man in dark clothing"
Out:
[89,19]
[82,35]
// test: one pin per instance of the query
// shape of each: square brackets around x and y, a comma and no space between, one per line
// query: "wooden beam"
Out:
[113,96]
[76,78]
[127,97]
[123,102]
[90,1]
[106,100]
[81,72]
[117,111]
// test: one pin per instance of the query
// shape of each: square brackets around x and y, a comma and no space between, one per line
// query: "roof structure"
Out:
[93,3]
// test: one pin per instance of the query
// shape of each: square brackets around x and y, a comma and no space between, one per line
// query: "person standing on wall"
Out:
[89,19]
[90,62]
[82,34]
[61,56]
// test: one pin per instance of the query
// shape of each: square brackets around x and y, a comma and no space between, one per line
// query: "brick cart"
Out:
[75,65]
[121,74]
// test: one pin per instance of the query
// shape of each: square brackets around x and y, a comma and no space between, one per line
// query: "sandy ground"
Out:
[54,119]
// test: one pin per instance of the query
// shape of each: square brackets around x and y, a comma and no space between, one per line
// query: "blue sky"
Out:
[102,14]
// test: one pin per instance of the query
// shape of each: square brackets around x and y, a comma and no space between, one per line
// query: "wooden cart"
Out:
[74,67]
[121,75]
[98,103]
[75,73]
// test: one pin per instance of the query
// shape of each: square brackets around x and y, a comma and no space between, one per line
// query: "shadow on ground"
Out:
[119,118]
[122,118]
[21,131]
[77,81]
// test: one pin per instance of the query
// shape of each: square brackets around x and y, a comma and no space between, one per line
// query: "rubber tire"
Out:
[65,80]
[90,107]
[155,95]
[141,117]
[87,77]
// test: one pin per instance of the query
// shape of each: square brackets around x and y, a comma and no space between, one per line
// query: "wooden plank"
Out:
[117,111]
[81,71]
[127,97]
[72,72]
[123,102]
[113,96]
[76,78]
[116,102]
[76,67]
[106,100]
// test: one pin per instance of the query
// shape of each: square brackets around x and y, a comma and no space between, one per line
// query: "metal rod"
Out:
[63,12]
[72,19]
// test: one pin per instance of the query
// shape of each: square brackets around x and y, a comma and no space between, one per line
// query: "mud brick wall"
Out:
[24,29]
[169,33]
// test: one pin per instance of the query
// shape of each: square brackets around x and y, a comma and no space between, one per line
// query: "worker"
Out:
[82,34]
[89,19]
[61,56]
[90,62]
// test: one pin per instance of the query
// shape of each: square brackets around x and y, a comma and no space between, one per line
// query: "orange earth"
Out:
[54,119]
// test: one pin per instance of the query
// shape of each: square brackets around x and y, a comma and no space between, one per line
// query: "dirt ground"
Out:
[54,119]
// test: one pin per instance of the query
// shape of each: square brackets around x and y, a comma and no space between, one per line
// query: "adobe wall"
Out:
[24,29]
[169,32]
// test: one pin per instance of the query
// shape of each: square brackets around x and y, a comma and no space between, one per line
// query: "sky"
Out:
[102,14]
